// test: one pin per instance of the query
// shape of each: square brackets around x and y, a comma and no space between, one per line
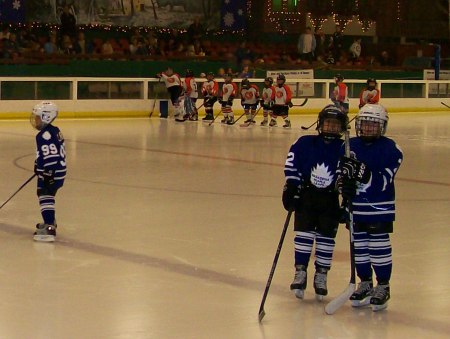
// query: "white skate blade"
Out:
[300,294]
[44,238]
[376,308]
[319,297]
[361,303]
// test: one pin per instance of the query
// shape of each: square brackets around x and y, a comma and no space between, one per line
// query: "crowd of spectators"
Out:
[314,49]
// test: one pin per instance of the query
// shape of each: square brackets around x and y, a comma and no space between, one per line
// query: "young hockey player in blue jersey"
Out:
[310,172]
[367,178]
[50,166]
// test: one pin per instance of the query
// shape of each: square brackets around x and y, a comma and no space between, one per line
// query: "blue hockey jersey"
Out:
[375,201]
[313,161]
[51,154]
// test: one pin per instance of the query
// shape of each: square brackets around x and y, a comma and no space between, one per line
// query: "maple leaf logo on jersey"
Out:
[321,177]
[279,94]
[171,80]
[248,95]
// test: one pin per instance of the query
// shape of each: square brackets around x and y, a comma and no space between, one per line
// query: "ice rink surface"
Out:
[168,230]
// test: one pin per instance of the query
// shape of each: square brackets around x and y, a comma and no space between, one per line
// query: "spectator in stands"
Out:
[306,45]
[4,34]
[337,43]
[10,47]
[385,59]
[355,50]
[68,22]
[51,47]
[81,46]
[67,45]
[243,53]
[107,48]
[321,46]
[245,73]
[195,30]
[221,72]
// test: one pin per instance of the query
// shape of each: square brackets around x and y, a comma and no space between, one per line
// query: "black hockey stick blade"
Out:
[261,314]
[18,190]
[445,104]
[307,128]
[303,103]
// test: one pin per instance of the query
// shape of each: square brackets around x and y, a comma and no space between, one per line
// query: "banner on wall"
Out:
[437,89]
[150,13]
[305,89]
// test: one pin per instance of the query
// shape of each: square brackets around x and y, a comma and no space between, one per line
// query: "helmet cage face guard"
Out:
[332,122]
[369,127]
[371,122]
[43,114]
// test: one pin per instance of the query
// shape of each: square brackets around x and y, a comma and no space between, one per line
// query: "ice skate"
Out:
[300,281]
[287,124]
[45,233]
[380,296]
[320,283]
[264,123]
[273,123]
[249,121]
[230,121]
[362,295]
[208,117]
[224,120]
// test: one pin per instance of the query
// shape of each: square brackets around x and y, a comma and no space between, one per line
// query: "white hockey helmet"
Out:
[371,122]
[43,114]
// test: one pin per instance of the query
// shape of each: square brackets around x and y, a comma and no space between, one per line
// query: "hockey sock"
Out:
[209,111]
[381,256]
[303,244]
[265,115]
[362,255]
[324,251]
[47,204]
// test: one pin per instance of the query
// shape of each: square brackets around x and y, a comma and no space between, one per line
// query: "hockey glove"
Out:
[291,197]
[49,178]
[261,102]
[290,104]
[354,169]
[346,187]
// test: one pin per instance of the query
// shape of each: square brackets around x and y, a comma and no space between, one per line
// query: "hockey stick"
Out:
[342,298]
[261,312]
[248,123]
[307,128]
[445,105]
[220,111]
[197,108]
[20,188]
[302,104]
[154,101]
[315,123]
